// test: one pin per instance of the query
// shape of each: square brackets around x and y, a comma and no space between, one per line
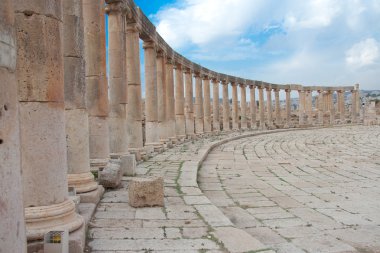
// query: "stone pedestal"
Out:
[198,105]
[243,106]
[215,106]
[42,119]
[207,104]
[146,192]
[226,108]
[252,106]
[12,224]
[235,107]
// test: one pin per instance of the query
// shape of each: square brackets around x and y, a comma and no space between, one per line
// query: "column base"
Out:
[98,163]
[82,182]
[157,146]
[92,196]
[42,219]
[138,152]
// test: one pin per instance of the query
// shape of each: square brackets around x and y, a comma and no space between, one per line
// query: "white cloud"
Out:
[363,53]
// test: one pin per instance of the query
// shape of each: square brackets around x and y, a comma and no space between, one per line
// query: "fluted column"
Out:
[235,107]
[252,106]
[117,79]
[332,107]
[288,109]
[215,105]
[207,104]
[277,106]
[301,107]
[76,116]
[243,106]
[261,107]
[269,106]
[12,223]
[321,108]
[198,104]
[151,109]
[134,108]
[189,107]
[42,119]
[180,124]
[170,102]
[226,107]
[161,98]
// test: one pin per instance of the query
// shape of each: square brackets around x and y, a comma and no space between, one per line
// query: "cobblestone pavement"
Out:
[312,190]
[301,191]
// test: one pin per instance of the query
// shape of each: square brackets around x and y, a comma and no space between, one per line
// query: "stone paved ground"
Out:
[302,191]
[313,190]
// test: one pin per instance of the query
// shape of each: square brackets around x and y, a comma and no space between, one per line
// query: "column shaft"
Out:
[189,108]
[161,98]
[262,107]
[288,108]
[151,108]
[134,108]
[12,223]
[243,106]
[301,107]
[215,105]
[198,105]
[341,106]
[353,106]
[170,102]
[235,107]
[332,108]
[269,107]
[226,108]
[207,104]
[252,106]
[179,104]
[321,108]
[42,119]
[277,106]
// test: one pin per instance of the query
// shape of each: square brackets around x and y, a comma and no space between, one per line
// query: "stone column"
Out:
[252,106]
[170,103]
[215,105]
[277,106]
[341,105]
[161,98]
[226,107]
[235,108]
[288,108]
[321,107]
[180,124]
[353,106]
[207,104]
[76,116]
[134,108]
[332,107]
[198,104]
[309,106]
[117,120]
[243,106]
[301,107]
[151,108]
[269,106]
[262,107]
[12,223]
[357,101]
[42,120]
[96,82]
[189,108]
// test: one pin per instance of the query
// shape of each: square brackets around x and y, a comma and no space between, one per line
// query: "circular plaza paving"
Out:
[301,191]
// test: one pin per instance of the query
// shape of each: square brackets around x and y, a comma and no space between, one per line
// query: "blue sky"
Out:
[311,42]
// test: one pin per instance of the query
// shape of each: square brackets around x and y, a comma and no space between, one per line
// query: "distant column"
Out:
[243,106]
[198,105]
[269,106]
[321,107]
[357,100]
[235,108]
[341,105]
[170,102]
[353,106]
[288,108]
[226,107]
[117,80]
[207,104]
[252,106]
[189,107]
[179,104]
[161,98]
[261,107]
[309,106]
[134,108]
[40,76]
[215,105]
[301,107]
[12,223]
[151,109]
[332,108]
[277,106]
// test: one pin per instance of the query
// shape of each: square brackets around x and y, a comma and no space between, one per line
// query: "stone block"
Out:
[92,196]
[128,165]
[111,175]
[146,192]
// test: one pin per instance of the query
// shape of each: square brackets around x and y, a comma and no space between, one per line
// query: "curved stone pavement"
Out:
[301,191]
[190,222]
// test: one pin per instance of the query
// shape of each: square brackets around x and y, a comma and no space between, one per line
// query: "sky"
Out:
[309,42]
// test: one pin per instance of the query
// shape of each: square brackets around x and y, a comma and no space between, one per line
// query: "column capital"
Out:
[214,80]
[223,82]
[242,85]
[276,89]
[233,84]
[133,27]
[186,70]
[178,66]
[168,60]
[197,74]
[268,88]
[114,7]
[149,44]
[252,86]
[288,90]
[205,77]
[159,53]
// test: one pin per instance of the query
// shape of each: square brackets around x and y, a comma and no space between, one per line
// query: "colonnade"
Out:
[61,116]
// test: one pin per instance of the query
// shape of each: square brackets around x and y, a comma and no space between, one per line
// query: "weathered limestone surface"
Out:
[252,106]
[12,227]
[146,192]
[170,102]
[161,98]
[180,124]
[207,104]
[215,106]
[198,105]
[235,107]
[243,106]
[226,108]
[189,107]
[261,107]
[42,120]
[110,176]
